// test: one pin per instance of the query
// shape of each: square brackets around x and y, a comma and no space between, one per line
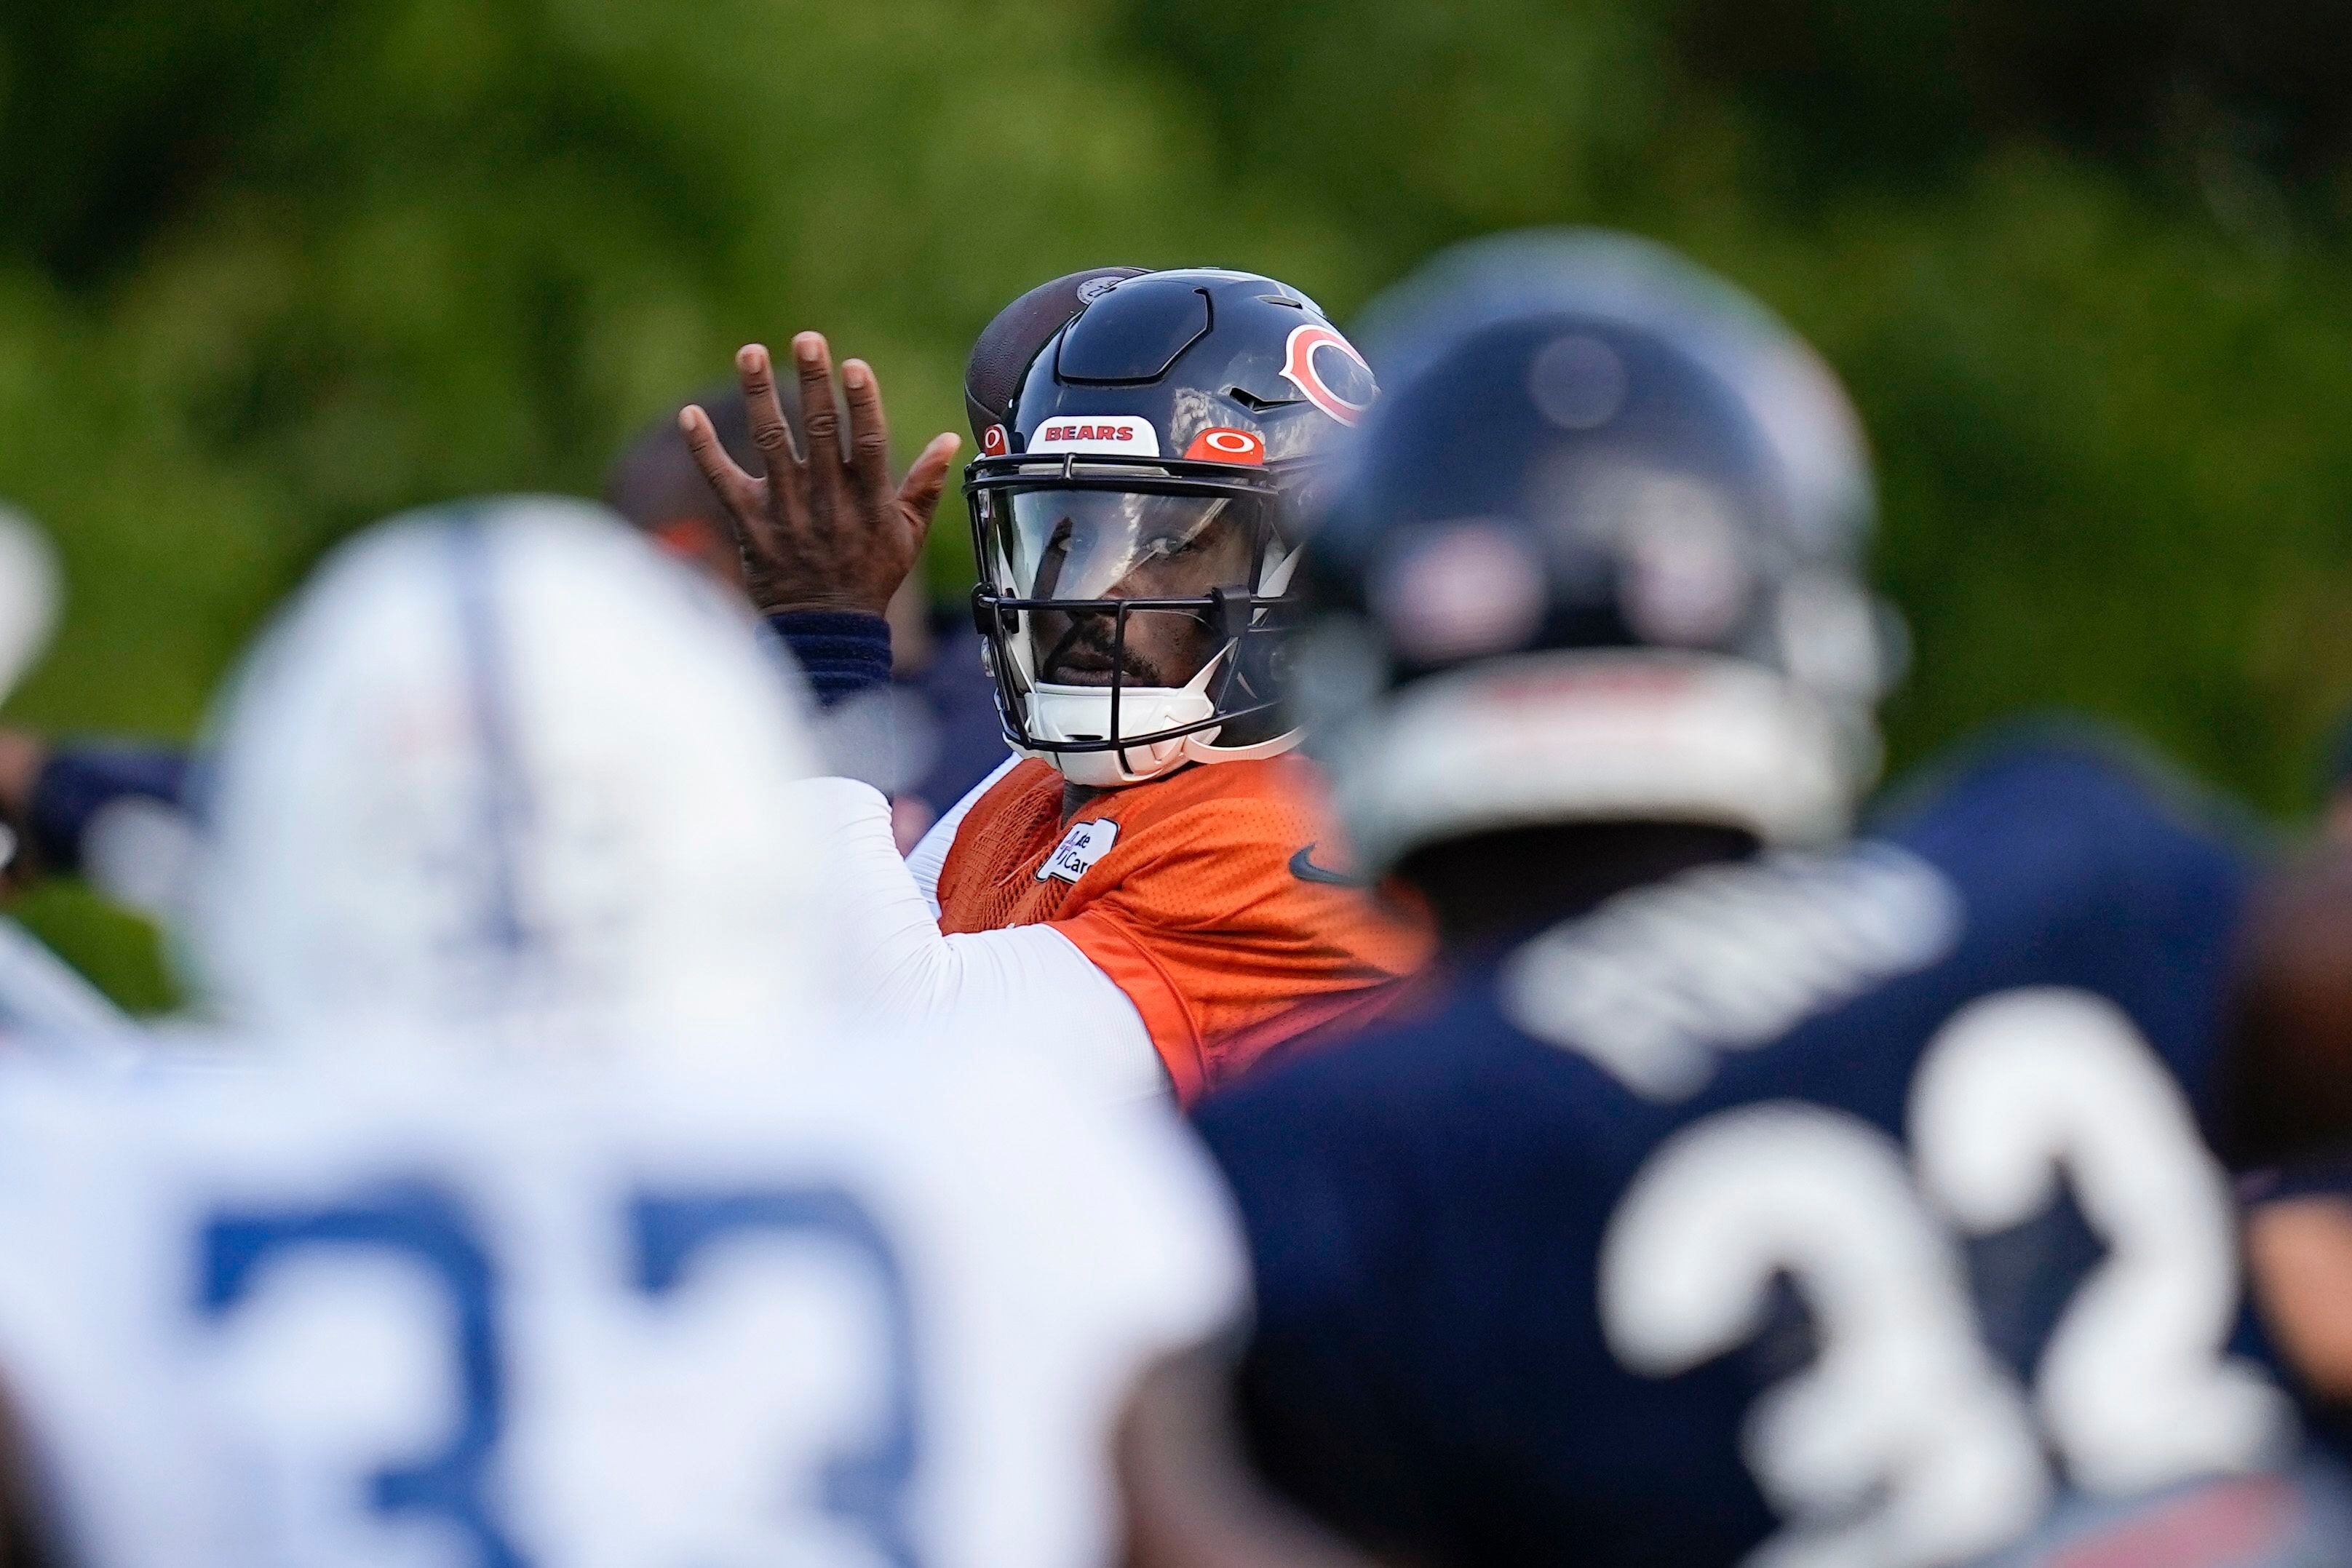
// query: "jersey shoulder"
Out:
[1228,908]
[2069,808]
[1287,784]
[1238,834]
[1217,899]
[1814,974]
[2080,863]
[1022,799]
[1823,975]
[1267,810]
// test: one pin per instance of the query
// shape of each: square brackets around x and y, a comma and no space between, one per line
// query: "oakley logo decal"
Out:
[1223,443]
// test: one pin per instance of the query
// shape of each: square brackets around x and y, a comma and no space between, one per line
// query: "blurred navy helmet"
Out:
[1596,557]
[1136,519]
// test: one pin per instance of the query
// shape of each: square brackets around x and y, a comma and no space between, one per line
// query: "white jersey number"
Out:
[1906,1442]
[428,1233]
[1902,1398]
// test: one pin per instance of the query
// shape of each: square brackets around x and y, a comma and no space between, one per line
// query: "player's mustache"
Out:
[1091,634]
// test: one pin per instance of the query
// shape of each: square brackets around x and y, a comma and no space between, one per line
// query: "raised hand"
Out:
[827,529]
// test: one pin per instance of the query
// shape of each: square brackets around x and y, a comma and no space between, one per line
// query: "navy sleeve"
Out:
[845,653]
[82,778]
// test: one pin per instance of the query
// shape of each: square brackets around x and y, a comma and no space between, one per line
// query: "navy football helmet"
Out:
[1136,514]
[1596,558]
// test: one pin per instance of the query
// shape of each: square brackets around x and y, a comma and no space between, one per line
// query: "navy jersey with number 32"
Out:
[1842,1207]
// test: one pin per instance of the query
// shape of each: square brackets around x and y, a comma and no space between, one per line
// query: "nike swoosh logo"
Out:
[1303,867]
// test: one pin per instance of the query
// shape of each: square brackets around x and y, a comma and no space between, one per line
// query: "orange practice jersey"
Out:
[1216,898]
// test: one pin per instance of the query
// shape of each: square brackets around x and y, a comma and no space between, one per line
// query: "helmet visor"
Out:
[1119,544]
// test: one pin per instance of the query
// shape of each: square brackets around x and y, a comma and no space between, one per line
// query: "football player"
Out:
[1153,882]
[542,1217]
[1749,1191]
[115,810]
[39,993]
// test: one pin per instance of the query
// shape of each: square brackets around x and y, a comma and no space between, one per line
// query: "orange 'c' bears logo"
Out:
[1299,369]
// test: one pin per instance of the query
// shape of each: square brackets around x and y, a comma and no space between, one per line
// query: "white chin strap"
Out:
[1599,737]
[1063,713]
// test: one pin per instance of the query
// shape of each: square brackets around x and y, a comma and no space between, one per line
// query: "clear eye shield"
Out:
[1102,544]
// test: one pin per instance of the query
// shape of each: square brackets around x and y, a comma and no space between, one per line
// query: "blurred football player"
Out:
[1155,876]
[943,706]
[38,991]
[1749,1191]
[111,810]
[546,1218]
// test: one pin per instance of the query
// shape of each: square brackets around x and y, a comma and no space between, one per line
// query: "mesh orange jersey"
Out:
[1210,896]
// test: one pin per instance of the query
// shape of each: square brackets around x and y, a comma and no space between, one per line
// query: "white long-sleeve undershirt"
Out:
[894,964]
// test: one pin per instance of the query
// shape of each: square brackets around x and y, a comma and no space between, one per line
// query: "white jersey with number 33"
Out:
[440,1312]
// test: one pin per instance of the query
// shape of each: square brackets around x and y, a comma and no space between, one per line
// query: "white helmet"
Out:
[28,596]
[28,611]
[502,768]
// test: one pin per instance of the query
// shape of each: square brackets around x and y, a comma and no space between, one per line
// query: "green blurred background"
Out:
[269,270]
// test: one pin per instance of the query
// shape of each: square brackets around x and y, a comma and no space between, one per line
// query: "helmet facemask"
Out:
[1133,611]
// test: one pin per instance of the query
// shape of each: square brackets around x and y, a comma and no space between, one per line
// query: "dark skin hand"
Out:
[827,530]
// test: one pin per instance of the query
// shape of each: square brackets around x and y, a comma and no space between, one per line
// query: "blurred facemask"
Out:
[502,768]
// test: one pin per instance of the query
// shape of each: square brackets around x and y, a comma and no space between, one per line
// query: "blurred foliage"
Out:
[269,270]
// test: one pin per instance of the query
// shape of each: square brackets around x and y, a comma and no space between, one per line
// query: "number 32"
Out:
[1905,1442]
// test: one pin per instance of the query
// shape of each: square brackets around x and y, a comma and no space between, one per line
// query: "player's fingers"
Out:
[919,497]
[869,433]
[820,418]
[736,490]
[755,369]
